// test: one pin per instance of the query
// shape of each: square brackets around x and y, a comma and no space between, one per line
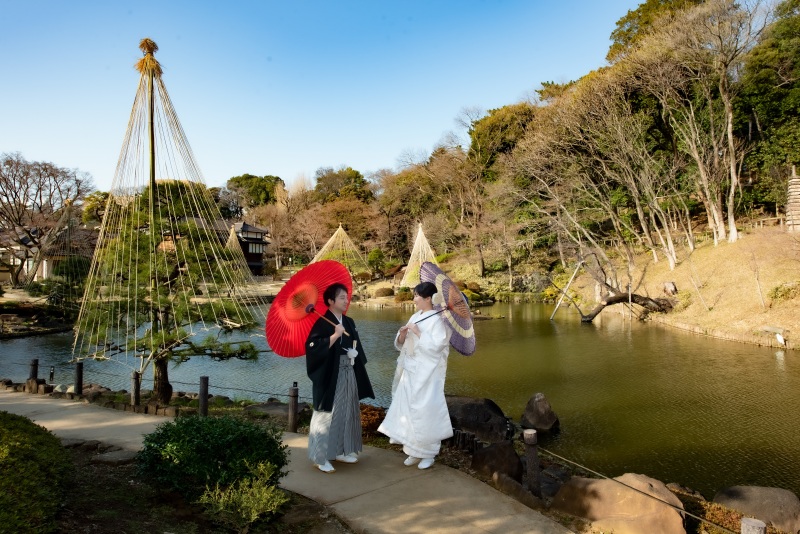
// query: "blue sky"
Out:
[282,87]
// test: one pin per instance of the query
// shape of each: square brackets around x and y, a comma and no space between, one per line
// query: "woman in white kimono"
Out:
[418,416]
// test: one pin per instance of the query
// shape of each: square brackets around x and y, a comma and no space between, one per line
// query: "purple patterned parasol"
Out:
[455,310]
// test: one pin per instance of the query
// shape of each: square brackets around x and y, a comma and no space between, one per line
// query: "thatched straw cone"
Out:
[148,64]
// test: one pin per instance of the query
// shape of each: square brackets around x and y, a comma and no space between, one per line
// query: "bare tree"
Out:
[617,141]
[692,65]
[564,189]
[32,198]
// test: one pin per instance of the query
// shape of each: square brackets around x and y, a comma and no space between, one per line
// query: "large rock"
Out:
[772,505]
[613,507]
[539,414]
[482,417]
[498,458]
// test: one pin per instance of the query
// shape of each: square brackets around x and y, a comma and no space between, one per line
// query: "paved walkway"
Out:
[376,495]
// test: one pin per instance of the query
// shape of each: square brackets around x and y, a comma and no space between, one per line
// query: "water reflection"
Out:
[630,397]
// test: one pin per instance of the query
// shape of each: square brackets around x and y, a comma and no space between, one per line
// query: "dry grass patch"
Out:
[737,288]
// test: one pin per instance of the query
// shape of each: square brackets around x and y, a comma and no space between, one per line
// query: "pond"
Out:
[630,397]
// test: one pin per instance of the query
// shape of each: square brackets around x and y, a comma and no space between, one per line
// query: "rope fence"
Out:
[196,385]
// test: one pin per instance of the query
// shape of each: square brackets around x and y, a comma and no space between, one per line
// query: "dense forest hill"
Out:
[745,291]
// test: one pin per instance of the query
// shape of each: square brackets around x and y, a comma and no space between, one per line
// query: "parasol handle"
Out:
[310,308]
[431,315]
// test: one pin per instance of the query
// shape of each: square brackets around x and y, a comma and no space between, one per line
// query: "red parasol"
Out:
[290,316]
[455,309]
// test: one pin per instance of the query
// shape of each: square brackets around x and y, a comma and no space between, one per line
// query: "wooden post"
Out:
[532,455]
[34,372]
[203,398]
[79,378]
[136,389]
[753,526]
[564,293]
[32,384]
[292,413]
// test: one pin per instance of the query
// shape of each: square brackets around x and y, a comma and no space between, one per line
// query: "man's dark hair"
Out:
[332,291]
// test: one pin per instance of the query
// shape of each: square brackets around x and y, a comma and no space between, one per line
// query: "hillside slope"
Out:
[720,289]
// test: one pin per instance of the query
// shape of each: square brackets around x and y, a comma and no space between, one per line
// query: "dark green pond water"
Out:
[630,397]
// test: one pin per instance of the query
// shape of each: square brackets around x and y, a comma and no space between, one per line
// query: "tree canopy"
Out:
[251,191]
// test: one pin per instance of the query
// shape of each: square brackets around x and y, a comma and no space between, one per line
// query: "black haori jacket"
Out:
[322,361]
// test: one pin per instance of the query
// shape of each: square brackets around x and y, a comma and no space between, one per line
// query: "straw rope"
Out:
[420,253]
[163,283]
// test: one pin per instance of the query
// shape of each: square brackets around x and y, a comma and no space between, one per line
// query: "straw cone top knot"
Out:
[148,46]
[148,64]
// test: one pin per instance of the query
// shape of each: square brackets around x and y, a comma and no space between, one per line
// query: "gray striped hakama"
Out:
[338,431]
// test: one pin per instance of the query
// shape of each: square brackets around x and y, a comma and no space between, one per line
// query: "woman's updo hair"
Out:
[425,289]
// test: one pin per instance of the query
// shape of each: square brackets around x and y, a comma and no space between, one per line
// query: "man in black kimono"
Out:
[335,362]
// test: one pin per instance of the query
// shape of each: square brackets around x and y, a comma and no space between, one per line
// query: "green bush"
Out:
[441,258]
[559,279]
[35,471]
[37,289]
[471,295]
[683,299]
[269,269]
[785,291]
[74,269]
[384,292]
[474,287]
[239,505]
[193,452]
[403,294]
[496,266]
[376,260]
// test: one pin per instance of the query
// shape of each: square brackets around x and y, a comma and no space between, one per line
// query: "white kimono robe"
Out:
[418,416]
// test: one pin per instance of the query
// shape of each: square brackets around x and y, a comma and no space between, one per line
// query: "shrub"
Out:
[785,291]
[269,269]
[441,258]
[246,501]
[384,292]
[35,471]
[474,287]
[376,260]
[471,296]
[496,266]
[683,299]
[193,452]
[403,297]
[74,269]
[371,419]
[362,277]
[559,279]
[403,294]
[36,289]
